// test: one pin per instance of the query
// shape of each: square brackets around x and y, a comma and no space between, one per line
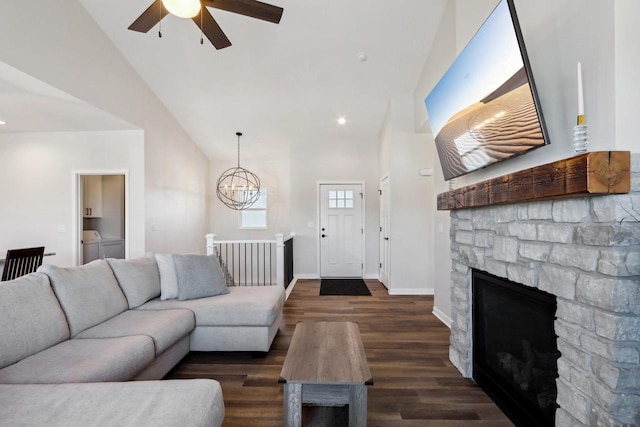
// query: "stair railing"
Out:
[254,262]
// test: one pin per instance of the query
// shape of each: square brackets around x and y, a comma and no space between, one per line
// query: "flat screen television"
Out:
[485,109]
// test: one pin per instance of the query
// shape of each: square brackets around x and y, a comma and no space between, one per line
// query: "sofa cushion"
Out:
[196,403]
[82,361]
[165,327]
[31,318]
[199,276]
[89,294]
[139,279]
[242,306]
[168,278]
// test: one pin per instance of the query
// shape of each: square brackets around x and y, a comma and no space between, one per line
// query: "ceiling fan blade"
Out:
[252,8]
[211,29]
[149,17]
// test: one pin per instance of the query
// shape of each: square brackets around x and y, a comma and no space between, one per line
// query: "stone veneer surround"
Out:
[586,252]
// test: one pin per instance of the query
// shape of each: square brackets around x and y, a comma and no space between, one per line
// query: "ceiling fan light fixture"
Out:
[182,8]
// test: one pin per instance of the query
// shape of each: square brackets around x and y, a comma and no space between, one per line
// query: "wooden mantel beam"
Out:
[599,172]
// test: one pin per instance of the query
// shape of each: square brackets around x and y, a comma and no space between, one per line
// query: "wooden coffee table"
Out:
[326,366]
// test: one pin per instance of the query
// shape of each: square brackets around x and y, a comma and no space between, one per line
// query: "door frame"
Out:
[319,218]
[76,208]
[386,180]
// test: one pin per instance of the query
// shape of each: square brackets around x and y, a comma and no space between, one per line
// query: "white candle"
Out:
[580,96]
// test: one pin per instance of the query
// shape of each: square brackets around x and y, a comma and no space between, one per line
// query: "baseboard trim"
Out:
[307,276]
[442,317]
[290,287]
[410,291]
[316,277]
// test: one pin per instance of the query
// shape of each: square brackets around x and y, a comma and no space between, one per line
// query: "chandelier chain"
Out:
[239,135]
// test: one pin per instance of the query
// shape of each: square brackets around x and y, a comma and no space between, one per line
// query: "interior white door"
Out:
[341,230]
[384,232]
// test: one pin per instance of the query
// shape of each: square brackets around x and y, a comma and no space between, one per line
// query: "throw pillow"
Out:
[139,279]
[168,278]
[199,276]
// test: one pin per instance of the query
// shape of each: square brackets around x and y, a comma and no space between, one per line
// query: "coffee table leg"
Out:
[357,405]
[293,404]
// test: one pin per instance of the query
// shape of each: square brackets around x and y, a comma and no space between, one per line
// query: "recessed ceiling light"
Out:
[2,122]
[342,120]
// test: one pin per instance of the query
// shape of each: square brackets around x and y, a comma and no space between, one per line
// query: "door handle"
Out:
[324,235]
[386,238]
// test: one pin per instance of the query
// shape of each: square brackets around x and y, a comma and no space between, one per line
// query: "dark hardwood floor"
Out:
[407,349]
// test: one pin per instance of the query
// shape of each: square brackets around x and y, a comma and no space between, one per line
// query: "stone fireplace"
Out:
[585,250]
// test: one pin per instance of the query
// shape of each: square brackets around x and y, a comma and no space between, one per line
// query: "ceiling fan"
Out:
[203,18]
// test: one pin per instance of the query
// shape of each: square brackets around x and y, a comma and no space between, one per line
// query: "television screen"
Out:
[485,108]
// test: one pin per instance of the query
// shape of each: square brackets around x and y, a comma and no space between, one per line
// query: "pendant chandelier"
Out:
[237,187]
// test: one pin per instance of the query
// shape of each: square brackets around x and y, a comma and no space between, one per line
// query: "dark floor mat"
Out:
[343,287]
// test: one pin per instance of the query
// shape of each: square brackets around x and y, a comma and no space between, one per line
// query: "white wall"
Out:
[627,89]
[384,143]
[402,153]
[601,35]
[411,203]
[440,57]
[37,190]
[270,161]
[62,46]
[335,161]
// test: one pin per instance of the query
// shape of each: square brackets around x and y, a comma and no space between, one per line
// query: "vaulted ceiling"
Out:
[285,82]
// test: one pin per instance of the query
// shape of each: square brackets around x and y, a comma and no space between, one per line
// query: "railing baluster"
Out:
[226,255]
[270,263]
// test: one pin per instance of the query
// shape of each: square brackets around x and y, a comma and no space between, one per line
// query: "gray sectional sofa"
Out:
[71,339]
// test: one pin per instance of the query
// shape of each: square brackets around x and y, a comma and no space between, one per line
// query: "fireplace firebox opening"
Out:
[515,349]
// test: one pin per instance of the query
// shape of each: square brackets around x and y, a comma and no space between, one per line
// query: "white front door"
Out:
[341,232]
[384,231]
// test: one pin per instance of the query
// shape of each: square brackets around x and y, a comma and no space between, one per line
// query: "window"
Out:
[256,215]
[340,199]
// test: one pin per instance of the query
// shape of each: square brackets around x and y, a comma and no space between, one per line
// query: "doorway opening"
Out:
[101,215]
[385,232]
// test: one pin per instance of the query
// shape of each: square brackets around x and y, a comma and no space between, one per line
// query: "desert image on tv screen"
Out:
[482,111]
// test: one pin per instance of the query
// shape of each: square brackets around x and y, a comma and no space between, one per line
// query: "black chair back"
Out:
[22,261]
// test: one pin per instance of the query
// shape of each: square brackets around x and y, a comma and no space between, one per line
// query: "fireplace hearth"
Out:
[514,348]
